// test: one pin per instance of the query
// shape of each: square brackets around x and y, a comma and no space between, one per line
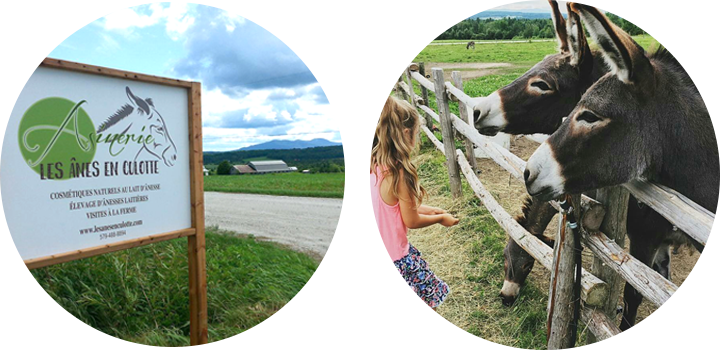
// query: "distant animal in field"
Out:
[470,45]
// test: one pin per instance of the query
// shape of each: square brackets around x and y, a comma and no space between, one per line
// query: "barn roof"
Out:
[267,162]
[243,169]
[268,165]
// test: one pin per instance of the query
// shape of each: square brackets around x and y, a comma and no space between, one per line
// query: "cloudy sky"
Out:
[514,5]
[255,89]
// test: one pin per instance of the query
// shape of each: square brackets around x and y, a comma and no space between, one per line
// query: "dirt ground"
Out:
[468,70]
[301,223]
[688,269]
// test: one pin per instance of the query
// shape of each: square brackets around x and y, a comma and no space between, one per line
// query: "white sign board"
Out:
[90,160]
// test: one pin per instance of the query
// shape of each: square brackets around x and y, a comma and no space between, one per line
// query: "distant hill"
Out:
[290,144]
[428,12]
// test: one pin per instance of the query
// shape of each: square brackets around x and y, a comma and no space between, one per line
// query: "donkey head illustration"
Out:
[139,117]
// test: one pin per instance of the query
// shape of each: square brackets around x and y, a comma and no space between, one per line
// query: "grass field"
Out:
[328,185]
[141,294]
[469,256]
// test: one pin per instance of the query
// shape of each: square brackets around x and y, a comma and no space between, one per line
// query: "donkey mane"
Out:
[522,218]
[119,115]
[664,57]
[692,67]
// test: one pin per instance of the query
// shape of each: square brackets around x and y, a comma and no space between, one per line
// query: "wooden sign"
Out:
[97,160]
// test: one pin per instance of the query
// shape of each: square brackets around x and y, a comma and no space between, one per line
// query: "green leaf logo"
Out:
[55,133]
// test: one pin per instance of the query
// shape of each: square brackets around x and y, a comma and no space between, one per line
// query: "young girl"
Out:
[397,197]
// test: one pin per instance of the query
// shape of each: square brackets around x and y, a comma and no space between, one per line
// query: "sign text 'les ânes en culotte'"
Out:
[90,160]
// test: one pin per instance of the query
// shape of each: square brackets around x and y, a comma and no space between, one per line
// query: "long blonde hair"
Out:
[391,150]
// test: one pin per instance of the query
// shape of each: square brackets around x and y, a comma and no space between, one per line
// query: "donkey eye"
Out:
[541,85]
[588,117]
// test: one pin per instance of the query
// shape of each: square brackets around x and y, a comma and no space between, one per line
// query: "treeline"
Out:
[649,17]
[316,159]
[499,29]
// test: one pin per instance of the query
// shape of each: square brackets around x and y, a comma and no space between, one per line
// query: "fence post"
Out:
[410,87]
[615,200]
[396,74]
[428,118]
[464,115]
[447,132]
[560,298]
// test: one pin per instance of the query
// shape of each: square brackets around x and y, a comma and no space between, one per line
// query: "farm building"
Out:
[262,167]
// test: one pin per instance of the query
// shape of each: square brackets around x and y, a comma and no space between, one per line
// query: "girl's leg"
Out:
[425,323]
[389,333]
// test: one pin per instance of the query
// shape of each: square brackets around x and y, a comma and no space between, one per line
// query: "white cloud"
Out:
[263,115]
[108,45]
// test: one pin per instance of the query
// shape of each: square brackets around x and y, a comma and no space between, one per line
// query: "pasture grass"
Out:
[327,185]
[141,294]
[520,54]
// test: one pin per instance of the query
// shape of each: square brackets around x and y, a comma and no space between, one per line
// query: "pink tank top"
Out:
[392,228]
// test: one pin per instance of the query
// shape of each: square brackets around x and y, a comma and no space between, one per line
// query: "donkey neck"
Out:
[690,162]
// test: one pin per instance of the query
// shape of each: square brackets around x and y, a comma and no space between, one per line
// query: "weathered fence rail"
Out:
[678,209]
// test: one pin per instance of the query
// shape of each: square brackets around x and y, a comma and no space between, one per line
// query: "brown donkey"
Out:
[571,72]
[644,119]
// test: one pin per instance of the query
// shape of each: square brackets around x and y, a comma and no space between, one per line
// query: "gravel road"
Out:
[303,223]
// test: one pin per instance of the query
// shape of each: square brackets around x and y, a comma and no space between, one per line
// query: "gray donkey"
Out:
[528,106]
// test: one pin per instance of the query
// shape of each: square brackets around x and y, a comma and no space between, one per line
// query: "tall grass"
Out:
[141,294]
[328,185]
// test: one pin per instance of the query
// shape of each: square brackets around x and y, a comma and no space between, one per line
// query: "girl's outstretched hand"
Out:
[449,220]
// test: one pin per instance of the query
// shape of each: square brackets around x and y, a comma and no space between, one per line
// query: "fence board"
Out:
[423,81]
[593,289]
[646,280]
[687,215]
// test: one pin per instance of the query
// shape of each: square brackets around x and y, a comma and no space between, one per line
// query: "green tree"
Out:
[613,16]
[224,168]
[632,22]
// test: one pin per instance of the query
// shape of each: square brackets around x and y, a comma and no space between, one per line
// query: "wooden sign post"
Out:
[157,191]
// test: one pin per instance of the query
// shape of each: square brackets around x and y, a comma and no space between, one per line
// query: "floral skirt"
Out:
[404,282]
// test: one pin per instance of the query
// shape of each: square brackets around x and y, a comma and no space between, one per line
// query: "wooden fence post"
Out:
[396,74]
[423,89]
[410,87]
[560,298]
[464,115]
[615,200]
[447,132]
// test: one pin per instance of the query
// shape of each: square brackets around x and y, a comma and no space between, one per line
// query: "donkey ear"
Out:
[624,56]
[559,24]
[577,42]
[137,101]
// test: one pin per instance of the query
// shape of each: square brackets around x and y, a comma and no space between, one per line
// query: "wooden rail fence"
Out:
[609,214]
